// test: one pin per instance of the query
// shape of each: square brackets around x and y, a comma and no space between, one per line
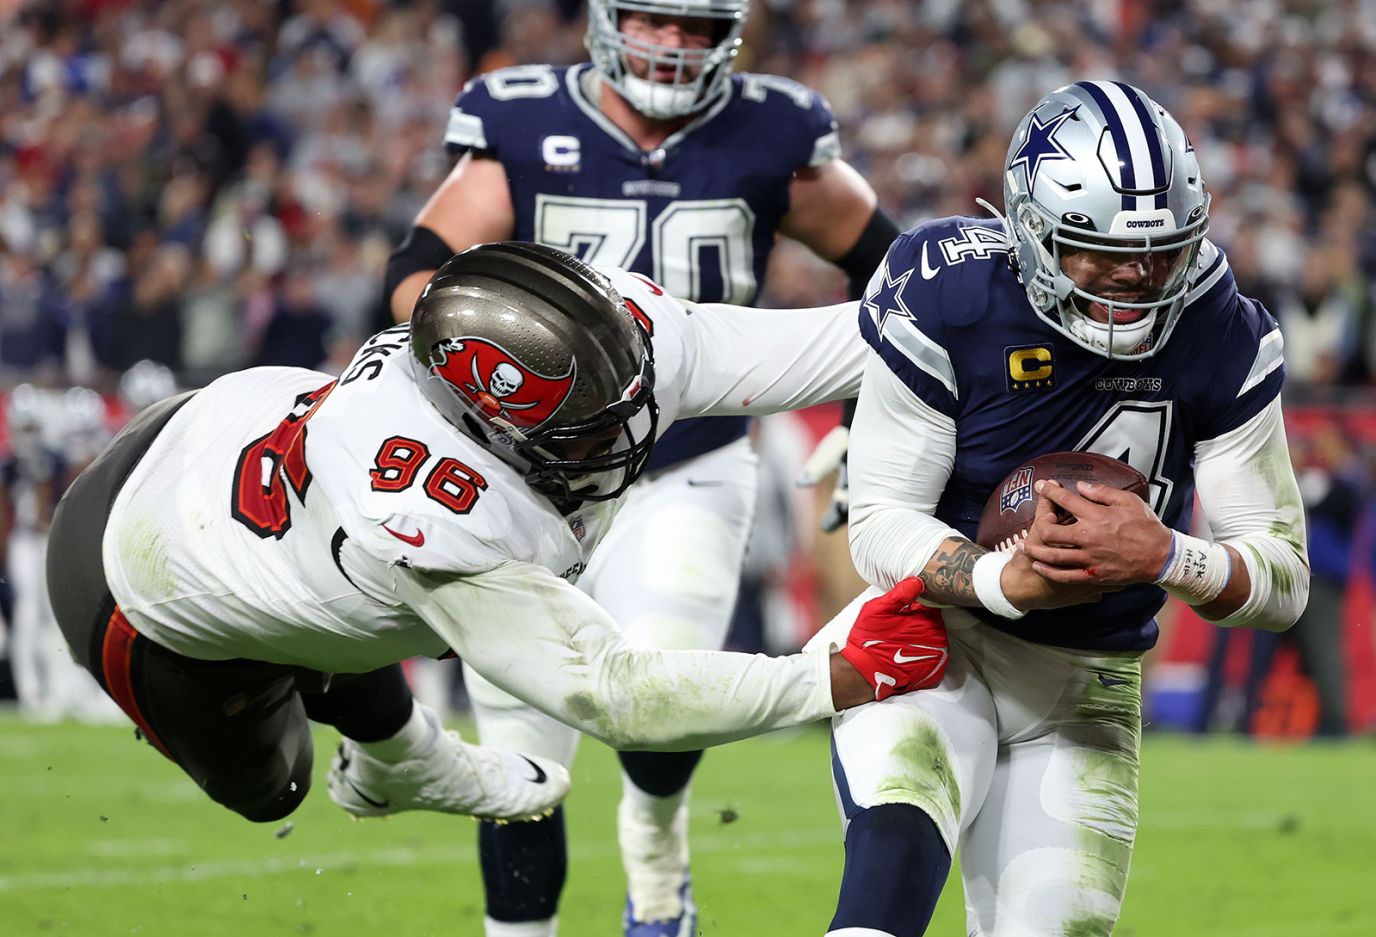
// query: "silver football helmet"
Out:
[532,353]
[1099,171]
[700,76]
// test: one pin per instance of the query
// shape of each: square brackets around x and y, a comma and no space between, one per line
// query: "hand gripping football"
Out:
[1009,511]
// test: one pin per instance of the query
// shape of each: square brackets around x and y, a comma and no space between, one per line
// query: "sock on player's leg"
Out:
[524,866]
[896,866]
[366,707]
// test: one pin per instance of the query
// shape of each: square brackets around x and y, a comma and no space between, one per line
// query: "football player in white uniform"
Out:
[265,550]
[1094,317]
[658,158]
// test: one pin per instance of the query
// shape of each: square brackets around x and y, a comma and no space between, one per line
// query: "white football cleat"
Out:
[452,777]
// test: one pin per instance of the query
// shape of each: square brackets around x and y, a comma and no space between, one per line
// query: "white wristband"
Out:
[985,576]
[1196,570]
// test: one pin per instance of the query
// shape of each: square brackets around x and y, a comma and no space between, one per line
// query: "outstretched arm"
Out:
[743,360]
[550,645]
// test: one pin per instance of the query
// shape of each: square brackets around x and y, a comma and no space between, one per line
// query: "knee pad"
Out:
[896,865]
[524,866]
[264,796]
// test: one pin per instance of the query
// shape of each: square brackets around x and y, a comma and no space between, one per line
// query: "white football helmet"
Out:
[700,76]
[1099,166]
[145,383]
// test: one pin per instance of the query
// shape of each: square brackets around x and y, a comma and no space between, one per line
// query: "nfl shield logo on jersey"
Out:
[1017,490]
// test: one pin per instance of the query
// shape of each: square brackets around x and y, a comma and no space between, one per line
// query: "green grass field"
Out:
[101,836]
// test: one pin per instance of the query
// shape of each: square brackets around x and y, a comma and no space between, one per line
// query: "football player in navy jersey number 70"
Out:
[1095,316]
[657,159]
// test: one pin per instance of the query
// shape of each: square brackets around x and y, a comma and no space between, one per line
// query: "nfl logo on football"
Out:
[1017,489]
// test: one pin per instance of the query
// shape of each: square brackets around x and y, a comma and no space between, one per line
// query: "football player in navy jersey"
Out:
[1094,316]
[656,158]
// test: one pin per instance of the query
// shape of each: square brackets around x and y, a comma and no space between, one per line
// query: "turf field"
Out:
[100,836]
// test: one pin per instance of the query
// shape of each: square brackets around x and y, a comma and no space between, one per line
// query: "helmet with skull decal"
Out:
[532,353]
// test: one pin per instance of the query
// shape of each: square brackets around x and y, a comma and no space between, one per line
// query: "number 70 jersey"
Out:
[697,215]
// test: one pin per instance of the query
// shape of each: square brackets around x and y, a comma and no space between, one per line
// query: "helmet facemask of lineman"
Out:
[532,353]
[1106,211]
[666,81]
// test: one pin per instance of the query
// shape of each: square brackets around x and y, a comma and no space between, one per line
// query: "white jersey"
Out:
[288,516]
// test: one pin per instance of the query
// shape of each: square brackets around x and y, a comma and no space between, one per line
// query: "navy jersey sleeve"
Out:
[901,318]
[793,116]
[477,119]
[1245,365]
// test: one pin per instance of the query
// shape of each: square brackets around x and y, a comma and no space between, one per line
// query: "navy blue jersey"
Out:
[949,317]
[698,215]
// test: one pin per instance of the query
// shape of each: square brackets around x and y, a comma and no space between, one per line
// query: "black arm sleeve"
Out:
[423,249]
[867,253]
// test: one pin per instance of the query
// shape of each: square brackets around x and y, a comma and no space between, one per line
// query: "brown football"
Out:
[1011,507]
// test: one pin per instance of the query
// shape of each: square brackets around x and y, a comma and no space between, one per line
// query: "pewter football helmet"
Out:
[1099,166]
[700,76]
[532,352]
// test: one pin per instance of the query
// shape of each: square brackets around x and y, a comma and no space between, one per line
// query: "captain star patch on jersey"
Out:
[498,382]
[1030,367]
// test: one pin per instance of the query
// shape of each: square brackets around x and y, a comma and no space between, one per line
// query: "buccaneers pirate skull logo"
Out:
[498,383]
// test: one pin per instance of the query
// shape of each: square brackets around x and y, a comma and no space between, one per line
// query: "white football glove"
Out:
[830,456]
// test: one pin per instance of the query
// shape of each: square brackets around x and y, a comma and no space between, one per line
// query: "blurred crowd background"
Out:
[195,186]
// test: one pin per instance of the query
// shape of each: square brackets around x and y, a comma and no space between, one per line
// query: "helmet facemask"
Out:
[1134,320]
[695,77]
[598,459]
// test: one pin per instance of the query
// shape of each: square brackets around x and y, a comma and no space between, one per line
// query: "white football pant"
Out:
[48,683]
[1026,758]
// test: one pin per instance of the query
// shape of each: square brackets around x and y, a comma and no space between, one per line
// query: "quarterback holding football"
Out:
[1091,315]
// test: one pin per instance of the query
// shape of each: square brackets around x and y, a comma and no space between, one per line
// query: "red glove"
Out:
[897,643]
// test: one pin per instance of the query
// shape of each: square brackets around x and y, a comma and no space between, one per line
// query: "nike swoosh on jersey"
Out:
[416,540]
[928,271]
[1109,682]
[540,776]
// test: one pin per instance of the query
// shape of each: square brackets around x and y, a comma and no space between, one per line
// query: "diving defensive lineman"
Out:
[265,550]
[655,158]
[1096,317]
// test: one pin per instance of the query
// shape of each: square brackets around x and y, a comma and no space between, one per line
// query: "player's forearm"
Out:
[888,543]
[551,646]
[1248,491]
[640,699]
